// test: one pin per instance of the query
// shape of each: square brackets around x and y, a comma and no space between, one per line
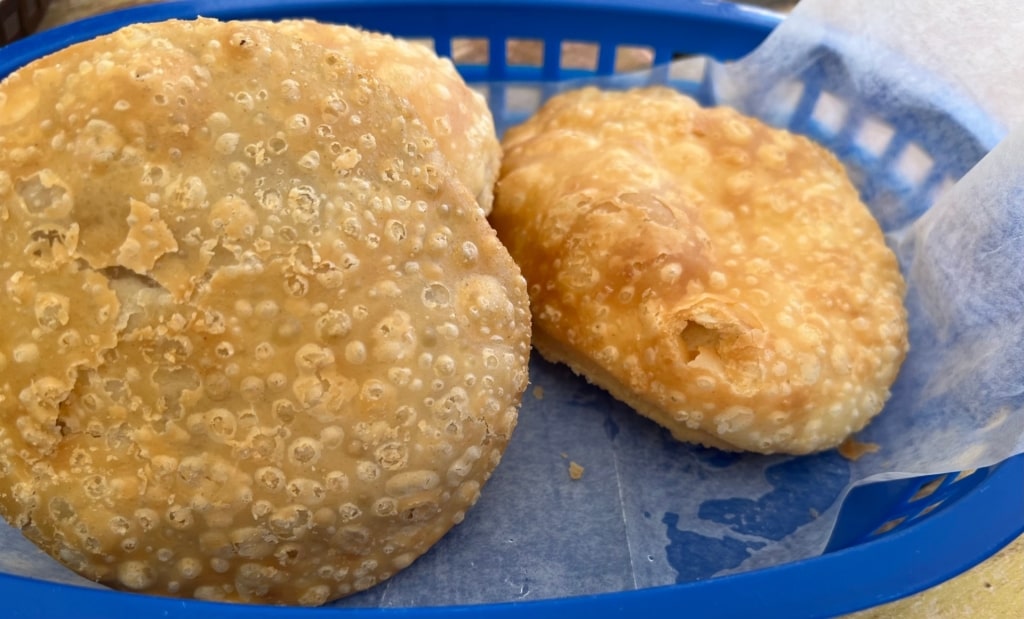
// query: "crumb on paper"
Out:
[538,392]
[575,471]
[854,450]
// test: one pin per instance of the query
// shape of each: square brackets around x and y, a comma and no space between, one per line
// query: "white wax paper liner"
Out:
[651,511]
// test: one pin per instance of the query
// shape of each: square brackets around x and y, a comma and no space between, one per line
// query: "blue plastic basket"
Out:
[892,539]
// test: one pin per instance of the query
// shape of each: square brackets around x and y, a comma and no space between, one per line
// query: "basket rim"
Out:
[920,552]
[754,22]
[899,564]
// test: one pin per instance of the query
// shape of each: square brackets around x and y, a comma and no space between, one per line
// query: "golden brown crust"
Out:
[260,344]
[720,276]
[457,116]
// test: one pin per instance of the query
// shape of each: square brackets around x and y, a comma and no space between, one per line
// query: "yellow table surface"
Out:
[992,590]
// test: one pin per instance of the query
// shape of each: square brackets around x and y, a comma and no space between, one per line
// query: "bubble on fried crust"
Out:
[304,451]
[307,492]
[349,512]
[44,192]
[304,203]
[270,478]
[189,568]
[315,595]
[347,159]
[136,575]
[227,143]
[436,295]
[51,310]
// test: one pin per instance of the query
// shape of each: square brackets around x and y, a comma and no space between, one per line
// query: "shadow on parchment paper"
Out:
[802,489]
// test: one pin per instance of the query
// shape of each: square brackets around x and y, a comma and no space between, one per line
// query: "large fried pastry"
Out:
[457,116]
[720,276]
[259,342]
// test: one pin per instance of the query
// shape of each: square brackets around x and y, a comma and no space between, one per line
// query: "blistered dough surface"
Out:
[457,116]
[259,343]
[721,276]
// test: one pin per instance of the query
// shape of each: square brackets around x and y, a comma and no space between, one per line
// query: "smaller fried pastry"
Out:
[720,276]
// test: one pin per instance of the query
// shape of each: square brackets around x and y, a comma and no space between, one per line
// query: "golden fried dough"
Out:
[720,276]
[457,116]
[260,343]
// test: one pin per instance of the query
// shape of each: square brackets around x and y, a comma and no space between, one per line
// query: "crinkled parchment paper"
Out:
[902,79]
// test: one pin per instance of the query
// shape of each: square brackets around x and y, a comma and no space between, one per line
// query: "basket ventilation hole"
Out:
[579,55]
[630,58]
[524,52]
[874,136]
[830,112]
[964,474]
[928,489]
[914,164]
[929,509]
[889,526]
[473,51]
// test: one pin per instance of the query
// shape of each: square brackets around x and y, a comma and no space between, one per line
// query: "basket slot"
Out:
[928,489]
[871,146]
[962,474]
[874,135]
[633,58]
[578,56]
[893,150]
[914,164]
[830,113]
[929,509]
[897,505]
[948,486]
[851,127]
[524,52]
[889,526]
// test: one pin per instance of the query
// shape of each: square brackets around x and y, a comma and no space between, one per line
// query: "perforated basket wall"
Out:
[891,539]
